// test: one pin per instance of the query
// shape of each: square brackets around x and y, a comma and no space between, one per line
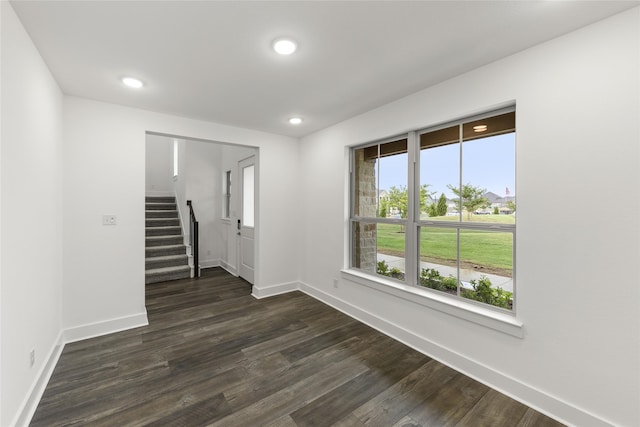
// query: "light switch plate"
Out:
[109,220]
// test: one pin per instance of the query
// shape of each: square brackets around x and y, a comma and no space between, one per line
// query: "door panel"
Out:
[247,219]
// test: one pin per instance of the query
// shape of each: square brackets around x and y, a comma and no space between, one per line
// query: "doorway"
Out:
[209,176]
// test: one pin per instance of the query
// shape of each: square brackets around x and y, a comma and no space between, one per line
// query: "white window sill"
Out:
[503,322]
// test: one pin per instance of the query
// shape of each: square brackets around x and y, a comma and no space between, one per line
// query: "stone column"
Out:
[366,205]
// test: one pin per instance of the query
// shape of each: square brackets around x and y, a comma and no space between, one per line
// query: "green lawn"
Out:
[496,219]
[492,250]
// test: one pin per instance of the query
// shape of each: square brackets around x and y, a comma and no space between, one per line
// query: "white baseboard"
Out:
[542,402]
[209,263]
[270,291]
[30,404]
[110,326]
[229,268]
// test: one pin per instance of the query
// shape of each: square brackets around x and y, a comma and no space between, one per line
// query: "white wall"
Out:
[179,185]
[204,182]
[31,219]
[158,165]
[577,146]
[105,172]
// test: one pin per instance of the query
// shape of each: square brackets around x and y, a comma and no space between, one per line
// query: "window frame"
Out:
[353,218]
[226,213]
[175,159]
[413,223]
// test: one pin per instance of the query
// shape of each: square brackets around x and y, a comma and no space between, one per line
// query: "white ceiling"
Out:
[212,60]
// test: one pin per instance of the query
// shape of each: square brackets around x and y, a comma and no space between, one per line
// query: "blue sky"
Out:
[486,162]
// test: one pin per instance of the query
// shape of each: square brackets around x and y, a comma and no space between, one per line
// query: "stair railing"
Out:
[193,239]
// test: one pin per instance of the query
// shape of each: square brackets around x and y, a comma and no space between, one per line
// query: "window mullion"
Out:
[460,208]
[413,211]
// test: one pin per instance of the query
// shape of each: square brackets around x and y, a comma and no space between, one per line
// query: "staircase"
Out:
[166,254]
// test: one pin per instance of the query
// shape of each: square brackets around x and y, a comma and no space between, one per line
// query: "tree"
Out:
[470,199]
[496,211]
[511,205]
[383,208]
[441,209]
[397,200]
[425,196]
[433,210]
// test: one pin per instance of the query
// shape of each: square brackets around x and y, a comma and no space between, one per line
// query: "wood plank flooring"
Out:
[213,355]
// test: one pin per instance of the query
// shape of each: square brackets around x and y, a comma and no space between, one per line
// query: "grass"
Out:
[495,219]
[391,239]
[491,250]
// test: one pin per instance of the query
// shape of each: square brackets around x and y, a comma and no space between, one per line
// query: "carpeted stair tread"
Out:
[160,199]
[169,269]
[159,213]
[162,222]
[165,250]
[160,206]
[167,273]
[164,231]
[163,240]
[165,261]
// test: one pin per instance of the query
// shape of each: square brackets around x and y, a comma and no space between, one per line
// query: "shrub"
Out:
[431,278]
[450,283]
[383,268]
[483,291]
[394,272]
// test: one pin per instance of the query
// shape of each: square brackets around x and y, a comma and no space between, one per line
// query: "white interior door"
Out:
[246,222]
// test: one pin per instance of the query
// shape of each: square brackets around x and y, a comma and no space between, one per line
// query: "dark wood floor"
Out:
[214,355]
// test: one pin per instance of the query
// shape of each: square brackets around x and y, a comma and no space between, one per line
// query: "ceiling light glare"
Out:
[480,128]
[132,83]
[284,46]
[295,120]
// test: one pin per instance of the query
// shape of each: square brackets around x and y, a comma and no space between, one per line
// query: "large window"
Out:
[436,209]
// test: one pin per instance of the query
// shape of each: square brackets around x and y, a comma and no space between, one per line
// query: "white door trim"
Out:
[247,220]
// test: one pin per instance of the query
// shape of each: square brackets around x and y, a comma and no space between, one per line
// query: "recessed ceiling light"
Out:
[480,128]
[295,120]
[285,46]
[131,82]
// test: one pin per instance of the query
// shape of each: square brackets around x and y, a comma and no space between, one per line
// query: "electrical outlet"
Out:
[32,358]
[109,220]
[335,283]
